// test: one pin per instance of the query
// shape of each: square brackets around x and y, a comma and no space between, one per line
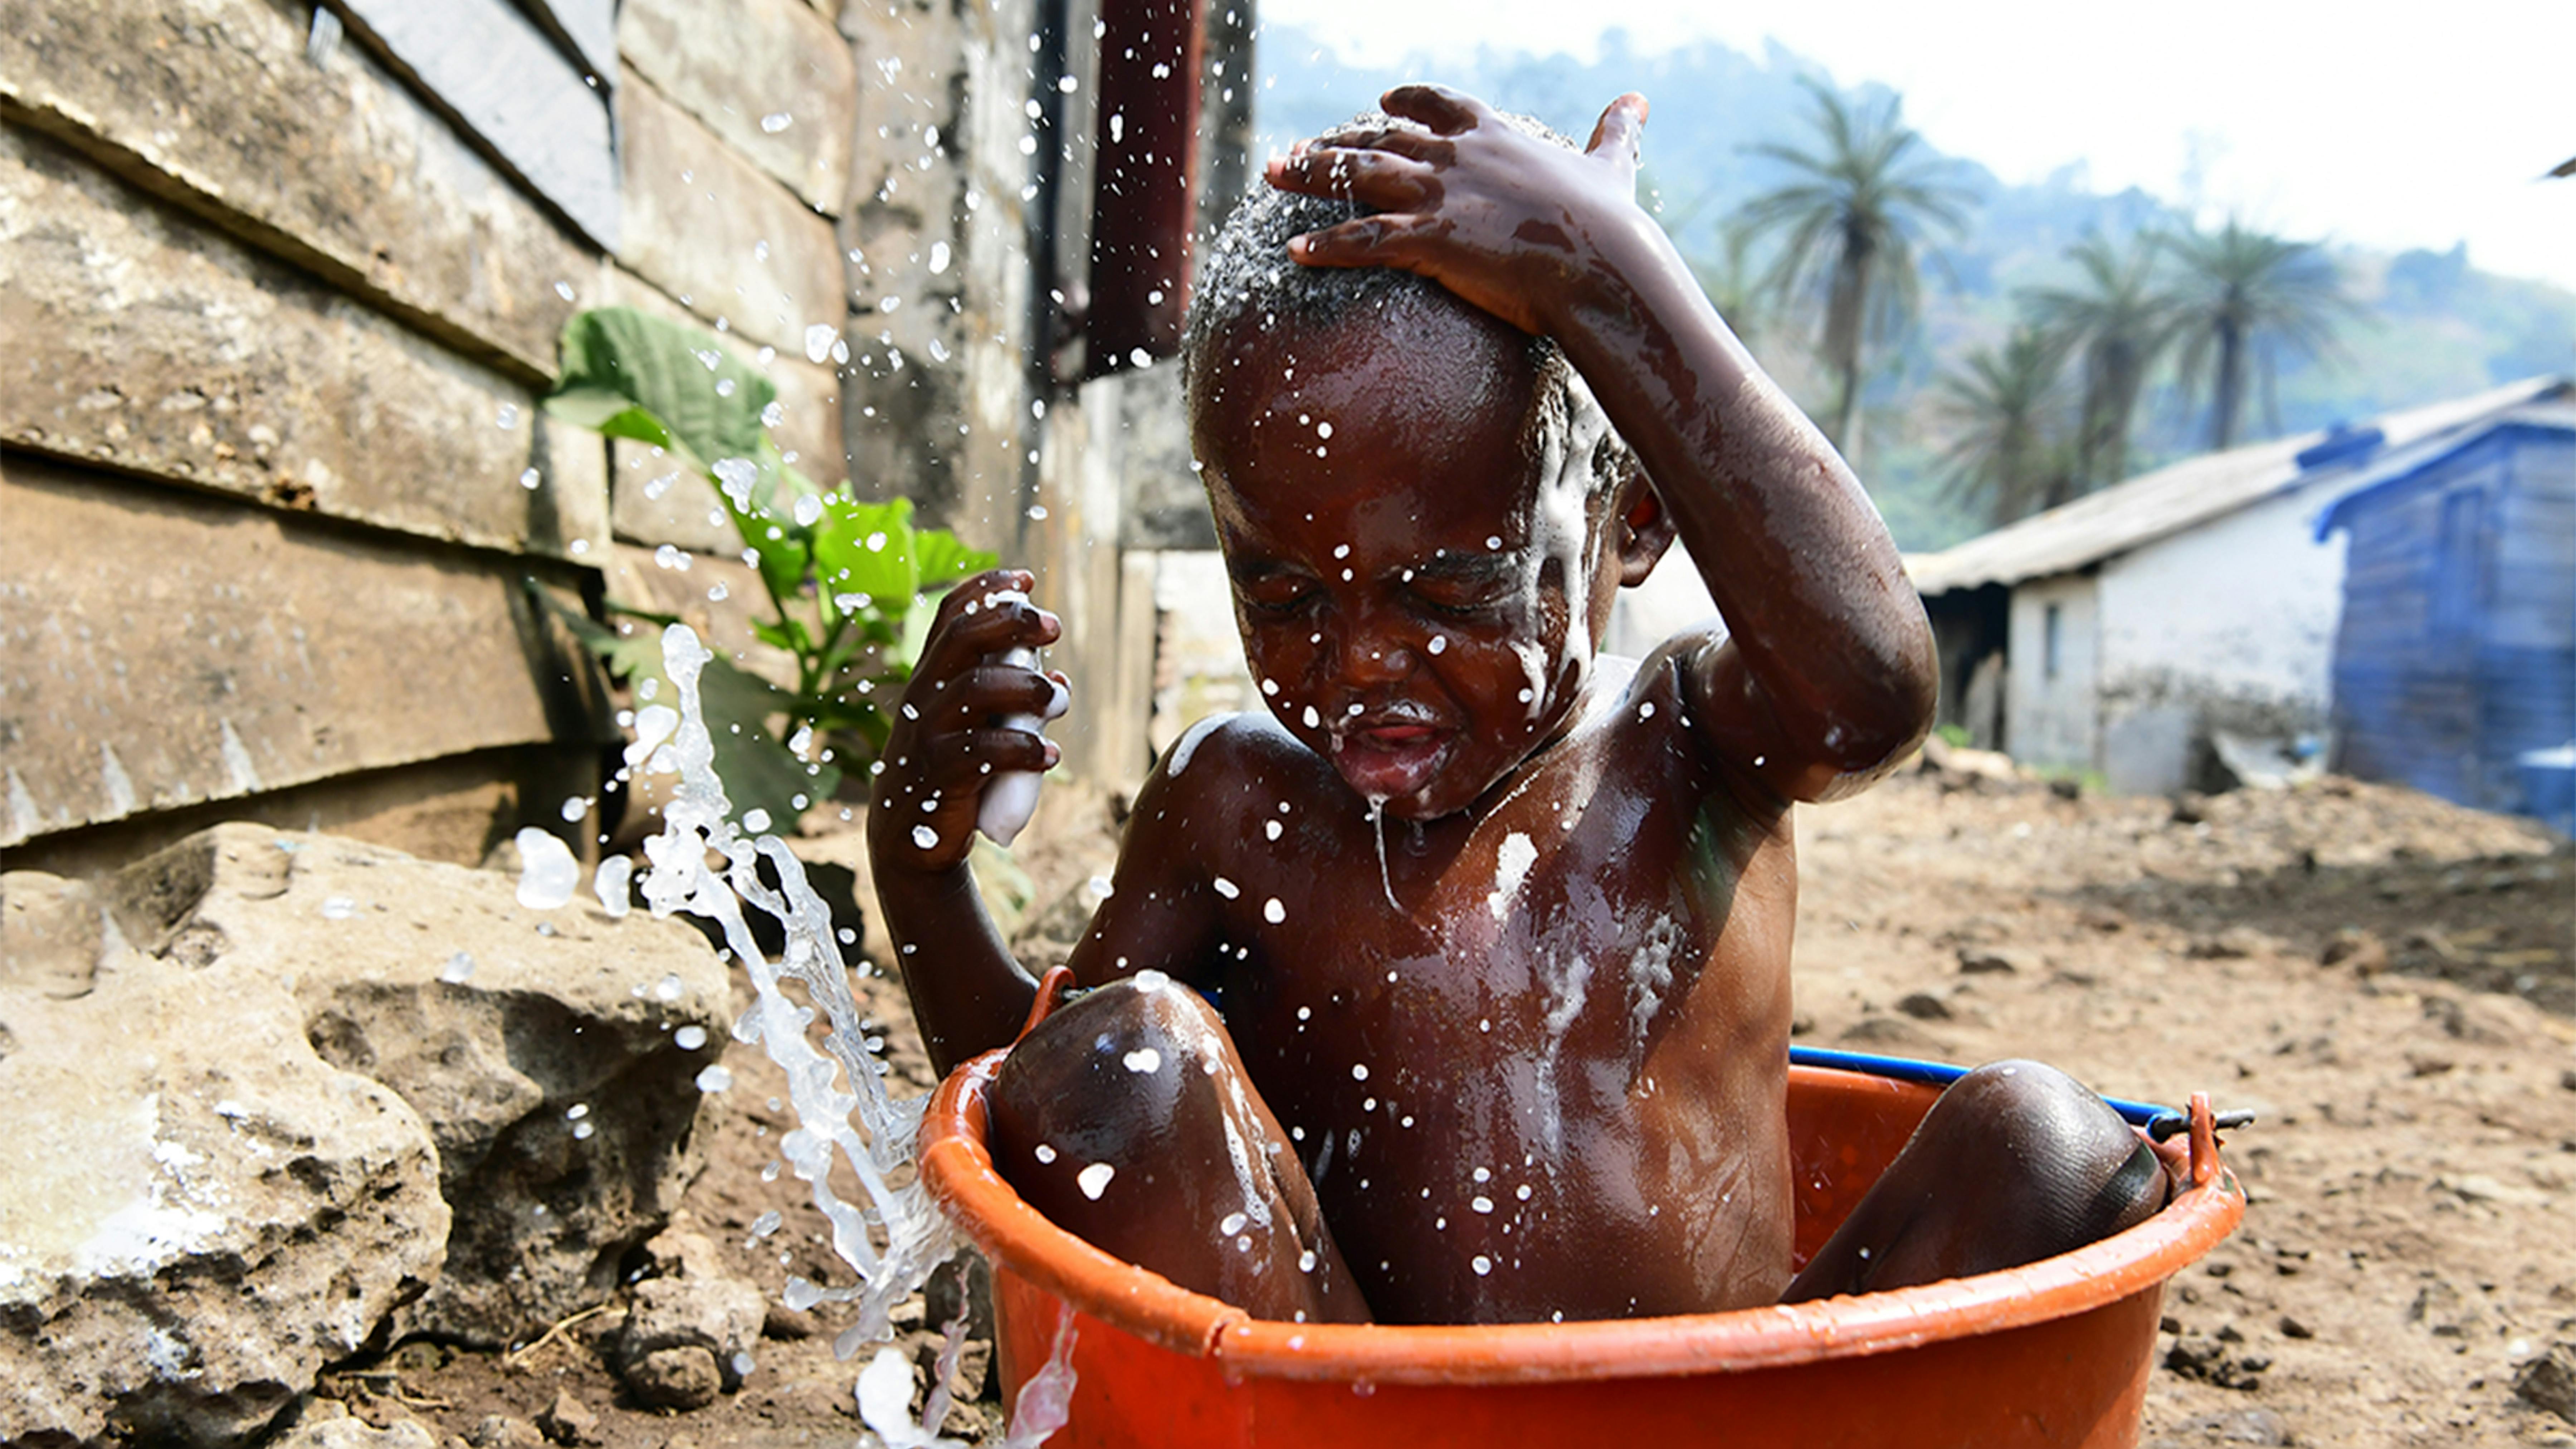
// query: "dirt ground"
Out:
[2385,980]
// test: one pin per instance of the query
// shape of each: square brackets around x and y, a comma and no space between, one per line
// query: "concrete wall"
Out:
[269,444]
[2050,716]
[2228,626]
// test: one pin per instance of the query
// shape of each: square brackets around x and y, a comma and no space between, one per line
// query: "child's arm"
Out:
[1827,675]
[968,994]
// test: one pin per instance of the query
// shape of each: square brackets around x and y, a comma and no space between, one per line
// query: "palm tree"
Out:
[2118,321]
[2002,407]
[2240,288]
[1854,219]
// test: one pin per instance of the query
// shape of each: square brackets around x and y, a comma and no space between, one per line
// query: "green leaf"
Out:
[938,558]
[759,772]
[866,548]
[674,374]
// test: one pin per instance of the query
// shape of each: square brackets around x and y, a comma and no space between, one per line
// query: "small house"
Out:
[2455,663]
[2142,631]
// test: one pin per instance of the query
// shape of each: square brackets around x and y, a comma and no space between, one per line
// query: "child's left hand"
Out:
[1510,222]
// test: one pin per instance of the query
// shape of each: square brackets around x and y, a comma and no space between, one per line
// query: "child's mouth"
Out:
[1390,760]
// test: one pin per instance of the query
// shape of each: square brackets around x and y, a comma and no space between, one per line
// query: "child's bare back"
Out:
[1497,931]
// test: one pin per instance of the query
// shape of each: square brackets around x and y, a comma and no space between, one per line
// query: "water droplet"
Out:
[459,968]
[1646,710]
[1043,1153]
[819,339]
[714,1079]
[767,1223]
[1143,1061]
[1270,828]
[1306,1261]
[339,908]
[1493,542]
[689,1038]
[564,290]
[1482,1264]
[506,418]
[1227,888]
[776,121]
[809,509]
[1481,1203]
[548,873]
[530,478]
[925,838]
[1313,720]
[743,1365]
[1230,1224]
[1094,1180]
[1271,910]
[755,820]
[1359,1071]
[581,1131]
[1439,643]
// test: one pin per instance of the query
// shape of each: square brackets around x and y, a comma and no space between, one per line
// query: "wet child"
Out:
[1455,988]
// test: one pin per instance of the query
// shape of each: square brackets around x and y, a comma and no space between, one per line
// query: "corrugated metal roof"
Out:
[2169,500]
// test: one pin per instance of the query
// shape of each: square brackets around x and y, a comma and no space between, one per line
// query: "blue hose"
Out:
[2159,1122]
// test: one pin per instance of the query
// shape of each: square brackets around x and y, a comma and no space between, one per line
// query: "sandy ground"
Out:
[2385,980]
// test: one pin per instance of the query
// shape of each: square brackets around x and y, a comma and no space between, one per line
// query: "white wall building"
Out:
[2131,628]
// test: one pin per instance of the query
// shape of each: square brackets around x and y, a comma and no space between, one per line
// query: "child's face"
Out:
[1416,588]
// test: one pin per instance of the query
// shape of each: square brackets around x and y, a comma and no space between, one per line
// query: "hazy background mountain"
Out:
[2432,325]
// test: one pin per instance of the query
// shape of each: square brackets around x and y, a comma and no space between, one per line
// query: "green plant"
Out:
[845,579]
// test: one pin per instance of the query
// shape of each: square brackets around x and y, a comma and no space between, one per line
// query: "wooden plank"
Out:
[147,341]
[335,167]
[168,648]
[773,79]
[494,72]
[718,234]
[589,27]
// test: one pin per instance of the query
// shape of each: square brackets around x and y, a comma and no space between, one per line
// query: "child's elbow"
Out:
[1880,724]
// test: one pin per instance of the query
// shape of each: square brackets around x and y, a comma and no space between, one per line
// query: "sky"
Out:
[2318,121]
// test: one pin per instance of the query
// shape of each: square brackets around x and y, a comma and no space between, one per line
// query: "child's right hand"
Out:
[948,742]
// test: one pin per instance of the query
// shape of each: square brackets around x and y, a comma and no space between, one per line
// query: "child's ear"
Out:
[1645,530]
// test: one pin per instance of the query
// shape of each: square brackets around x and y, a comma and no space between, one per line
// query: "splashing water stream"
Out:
[893,1235]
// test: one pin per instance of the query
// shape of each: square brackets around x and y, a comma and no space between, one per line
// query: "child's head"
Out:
[1424,512]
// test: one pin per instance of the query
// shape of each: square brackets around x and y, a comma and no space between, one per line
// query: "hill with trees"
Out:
[2057,338]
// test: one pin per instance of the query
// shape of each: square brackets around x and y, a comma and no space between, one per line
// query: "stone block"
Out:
[333,166]
[151,342]
[772,78]
[200,1213]
[167,648]
[714,231]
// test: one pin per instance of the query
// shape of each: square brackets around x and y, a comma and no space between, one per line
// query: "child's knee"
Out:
[2081,1165]
[1119,1062]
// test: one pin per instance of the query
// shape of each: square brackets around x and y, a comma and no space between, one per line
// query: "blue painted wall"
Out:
[2457,650]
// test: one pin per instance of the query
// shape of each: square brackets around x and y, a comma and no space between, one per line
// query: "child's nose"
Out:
[1375,661]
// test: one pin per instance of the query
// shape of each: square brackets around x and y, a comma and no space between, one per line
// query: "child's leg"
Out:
[1127,1119]
[2015,1163]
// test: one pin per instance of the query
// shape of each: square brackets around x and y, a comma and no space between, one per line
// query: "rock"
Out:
[1924,1006]
[1888,1031]
[200,1211]
[350,1433]
[502,1431]
[2549,1381]
[675,1378]
[2214,1361]
[692,1314]
[1999,961]
[569,1421]
[540,1046]
[2364,952]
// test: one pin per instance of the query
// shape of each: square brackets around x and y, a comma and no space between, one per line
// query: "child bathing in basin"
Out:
[1500,926]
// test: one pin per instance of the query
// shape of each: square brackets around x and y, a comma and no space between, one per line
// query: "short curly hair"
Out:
[1248,273]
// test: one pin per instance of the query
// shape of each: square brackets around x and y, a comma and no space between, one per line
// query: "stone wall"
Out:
[277,483]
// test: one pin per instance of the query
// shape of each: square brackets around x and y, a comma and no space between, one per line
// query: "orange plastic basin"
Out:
[2055,1353]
